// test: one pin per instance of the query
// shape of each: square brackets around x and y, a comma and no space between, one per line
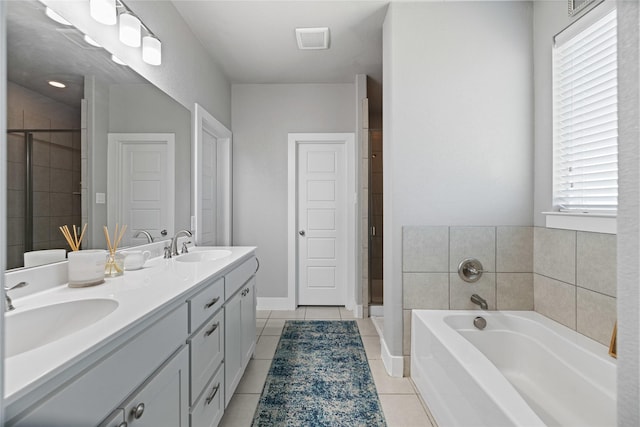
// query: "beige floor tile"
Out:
[372,347]
[274,327]
[298,313]
[260,326]
[387,384]
[367,327]
[404,410]
[263,314]
[266,347]
[346,314]
[240,411]
[323,313]
[254,376]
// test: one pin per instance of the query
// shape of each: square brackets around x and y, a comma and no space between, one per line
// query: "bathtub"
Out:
[523,369]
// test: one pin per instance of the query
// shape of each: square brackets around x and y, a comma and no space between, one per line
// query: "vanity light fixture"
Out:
[57,84]
[103,11]
[117,60]
[130,29]
[91,41]
[54,15]
[151,50]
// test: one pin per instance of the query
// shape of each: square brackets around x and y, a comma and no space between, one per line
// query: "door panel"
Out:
[322,223]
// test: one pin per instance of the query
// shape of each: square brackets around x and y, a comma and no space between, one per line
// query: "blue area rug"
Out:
[319,377]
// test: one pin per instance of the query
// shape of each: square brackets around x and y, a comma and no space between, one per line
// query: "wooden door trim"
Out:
[294,140]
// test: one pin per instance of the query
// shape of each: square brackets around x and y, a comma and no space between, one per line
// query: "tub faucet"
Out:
[146,234]
[477,299]
[174,241]
[10,306]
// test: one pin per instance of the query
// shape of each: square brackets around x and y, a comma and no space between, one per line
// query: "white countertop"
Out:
[140,295]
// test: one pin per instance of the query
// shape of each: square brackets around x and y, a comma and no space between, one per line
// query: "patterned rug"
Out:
[319,377]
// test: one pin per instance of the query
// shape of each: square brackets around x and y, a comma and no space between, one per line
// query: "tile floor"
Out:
[401,405]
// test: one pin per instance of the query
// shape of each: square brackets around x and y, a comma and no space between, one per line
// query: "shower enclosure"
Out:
[43,189]
[375,217]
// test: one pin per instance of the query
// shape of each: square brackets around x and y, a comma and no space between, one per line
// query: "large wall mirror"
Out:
[58,141]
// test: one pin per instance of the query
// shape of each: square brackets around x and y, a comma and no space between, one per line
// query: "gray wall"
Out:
[263,115]
[629,214]
[458,109]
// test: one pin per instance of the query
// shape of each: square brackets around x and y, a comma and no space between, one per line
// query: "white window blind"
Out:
[586,116]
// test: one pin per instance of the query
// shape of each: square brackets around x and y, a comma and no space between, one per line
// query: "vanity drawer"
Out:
[210,408]
[239,276]
[206,349]
[203,304]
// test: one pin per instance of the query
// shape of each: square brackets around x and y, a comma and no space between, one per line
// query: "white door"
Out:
[322,226]
[141,184]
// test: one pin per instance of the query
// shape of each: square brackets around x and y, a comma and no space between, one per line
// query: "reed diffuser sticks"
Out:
[73,241]
[112,268]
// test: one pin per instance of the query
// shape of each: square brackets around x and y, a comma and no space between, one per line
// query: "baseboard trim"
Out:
[357,311]
[266,303]
[394,365]
[376,310]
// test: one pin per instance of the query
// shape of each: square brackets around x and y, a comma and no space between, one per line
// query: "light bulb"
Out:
[130,29]
[53,15]
[103,11]
[151,50]
[57,84]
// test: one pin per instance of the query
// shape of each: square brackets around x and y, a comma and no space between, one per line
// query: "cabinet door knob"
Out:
[138,411]
[213,393]
[123,424]
[212,302]
[212,330]
[301,232]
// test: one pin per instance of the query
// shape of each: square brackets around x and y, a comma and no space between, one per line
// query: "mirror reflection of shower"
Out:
[43,193]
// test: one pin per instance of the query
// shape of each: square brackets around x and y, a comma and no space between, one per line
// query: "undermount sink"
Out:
[30,329]
[201,255]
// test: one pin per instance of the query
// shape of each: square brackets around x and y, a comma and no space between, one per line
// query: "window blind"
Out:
[586,118]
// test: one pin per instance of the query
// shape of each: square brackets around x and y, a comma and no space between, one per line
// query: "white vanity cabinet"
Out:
[93,393]
[240,322]
[206,349]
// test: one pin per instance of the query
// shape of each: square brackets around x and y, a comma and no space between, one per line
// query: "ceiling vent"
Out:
[312,38]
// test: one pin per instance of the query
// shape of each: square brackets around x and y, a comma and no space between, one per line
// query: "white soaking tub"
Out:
[523,369]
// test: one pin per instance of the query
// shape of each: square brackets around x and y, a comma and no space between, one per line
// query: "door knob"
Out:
[301,232]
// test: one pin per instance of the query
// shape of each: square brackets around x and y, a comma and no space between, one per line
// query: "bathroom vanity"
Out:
[162,346]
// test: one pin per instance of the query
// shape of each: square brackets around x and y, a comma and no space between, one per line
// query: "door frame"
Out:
[116,142]
[204,121]
[294,141]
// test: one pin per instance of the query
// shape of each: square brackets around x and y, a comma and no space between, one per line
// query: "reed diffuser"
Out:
[115,262]
[73,241]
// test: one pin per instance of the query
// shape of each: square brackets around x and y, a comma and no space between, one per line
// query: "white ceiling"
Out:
[254,41]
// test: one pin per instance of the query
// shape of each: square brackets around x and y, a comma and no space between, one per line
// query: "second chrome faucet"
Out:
[173,247]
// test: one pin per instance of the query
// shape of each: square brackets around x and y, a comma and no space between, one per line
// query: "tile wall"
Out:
[566,275]
[56,171]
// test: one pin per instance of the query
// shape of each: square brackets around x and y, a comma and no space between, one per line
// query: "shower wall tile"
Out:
[35,120]
[61,158]
[514,291]
[514,249]
[472,242]
[41,203]
[425,249]
[555,299]
[62,139]
[596,262]
[376,161]
[554,254]
[406,336]
[15,203]
[16,176]
[16,148]
[15,256]
[461,291]
[61,181]
[15,231]
[41,229]
[596,315]
[61,204]
[376,183]
[41,153]
[425,291]
[15,117]
[41,178]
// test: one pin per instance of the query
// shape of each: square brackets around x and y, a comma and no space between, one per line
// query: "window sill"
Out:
[596,223]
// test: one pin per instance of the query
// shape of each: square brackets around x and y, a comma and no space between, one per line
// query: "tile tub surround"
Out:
[565,275]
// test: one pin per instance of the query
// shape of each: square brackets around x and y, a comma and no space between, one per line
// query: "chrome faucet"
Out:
[477,299]
[174,241]
[10,306]
[146,234]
